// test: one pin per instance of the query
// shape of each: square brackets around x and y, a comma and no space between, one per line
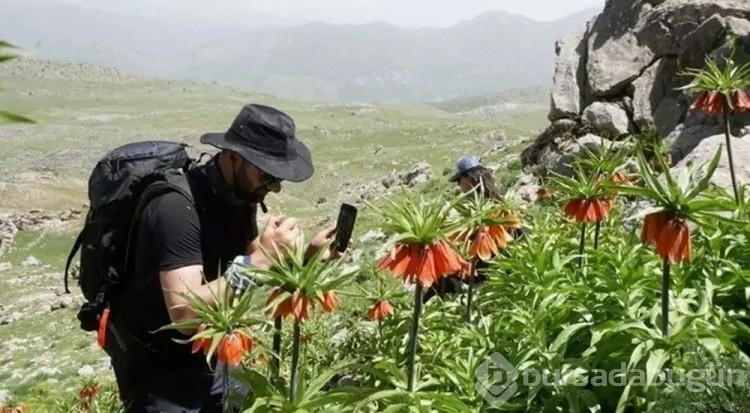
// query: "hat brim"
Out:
[297,169]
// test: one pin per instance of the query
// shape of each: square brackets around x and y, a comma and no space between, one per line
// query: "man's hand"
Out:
[320,240]
[279,235]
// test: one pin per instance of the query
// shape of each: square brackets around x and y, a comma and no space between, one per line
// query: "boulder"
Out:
[703,153]
[569,74]
[607,118]
[623,74]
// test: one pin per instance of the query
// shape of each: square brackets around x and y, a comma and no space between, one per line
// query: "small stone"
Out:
[86,371]
[31,261]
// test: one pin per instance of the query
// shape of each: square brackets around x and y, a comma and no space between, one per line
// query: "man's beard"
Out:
[243,189]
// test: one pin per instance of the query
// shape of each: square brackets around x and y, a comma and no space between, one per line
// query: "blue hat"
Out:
[465,163]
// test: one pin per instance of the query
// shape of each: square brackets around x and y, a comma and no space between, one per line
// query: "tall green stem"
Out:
[665,298]
[295,362]
[597,230]
[470,295]
[728,137]
[225,400]
[414,337]
[581,245]
[276,361]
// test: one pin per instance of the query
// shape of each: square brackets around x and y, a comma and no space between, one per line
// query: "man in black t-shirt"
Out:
[179,242]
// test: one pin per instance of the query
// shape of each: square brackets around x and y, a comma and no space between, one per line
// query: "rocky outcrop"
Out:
[619,75]
[418,174]
[10,224]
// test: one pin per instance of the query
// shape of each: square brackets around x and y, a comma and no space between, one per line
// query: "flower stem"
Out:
[276,361]
[596,234]
[665,298]
[380,333]
[226,387]
[728,137]
[581,245]
[295,362]
[470,296]
[413,339]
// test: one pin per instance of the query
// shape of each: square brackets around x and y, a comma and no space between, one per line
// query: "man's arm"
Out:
[183,281]
[176,231]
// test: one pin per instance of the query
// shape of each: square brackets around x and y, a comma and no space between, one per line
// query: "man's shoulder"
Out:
[170,203]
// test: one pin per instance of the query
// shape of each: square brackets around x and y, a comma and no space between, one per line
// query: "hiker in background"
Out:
[470,175]
[179,242]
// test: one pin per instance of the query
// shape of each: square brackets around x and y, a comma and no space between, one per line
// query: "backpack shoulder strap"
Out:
[171,183]
[71,255]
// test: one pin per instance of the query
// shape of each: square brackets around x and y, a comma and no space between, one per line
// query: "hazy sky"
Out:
[412,13]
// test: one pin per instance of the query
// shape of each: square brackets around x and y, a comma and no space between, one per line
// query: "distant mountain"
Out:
[491,53]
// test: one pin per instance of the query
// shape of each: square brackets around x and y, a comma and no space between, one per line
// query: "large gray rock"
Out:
[628,67]
[655,98]
[607,118]
[8,231]
[628,36]
[706,149]
[616,55]
[569,74]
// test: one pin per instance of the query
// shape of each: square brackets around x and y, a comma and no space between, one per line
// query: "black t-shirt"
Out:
[174,233]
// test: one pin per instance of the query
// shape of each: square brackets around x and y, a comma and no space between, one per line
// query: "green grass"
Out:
[81,116]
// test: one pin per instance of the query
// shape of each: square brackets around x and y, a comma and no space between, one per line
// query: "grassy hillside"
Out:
[83,111]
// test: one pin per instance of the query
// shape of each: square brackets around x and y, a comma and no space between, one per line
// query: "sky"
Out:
[408,13]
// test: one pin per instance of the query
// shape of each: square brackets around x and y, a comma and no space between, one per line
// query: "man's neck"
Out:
[217,178]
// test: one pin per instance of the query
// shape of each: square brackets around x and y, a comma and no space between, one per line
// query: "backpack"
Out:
[119,188]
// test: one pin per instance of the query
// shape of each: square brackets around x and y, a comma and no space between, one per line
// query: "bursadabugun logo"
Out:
[496,380]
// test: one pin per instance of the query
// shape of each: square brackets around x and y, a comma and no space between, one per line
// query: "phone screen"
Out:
[345,226]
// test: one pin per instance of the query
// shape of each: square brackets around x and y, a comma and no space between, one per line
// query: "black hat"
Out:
[265,137]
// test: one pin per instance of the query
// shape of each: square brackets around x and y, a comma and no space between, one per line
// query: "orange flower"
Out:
[467,269]
[329,301]
[284,308]
[488,242]
[89,392]
[201,343]
[740,101]
[587,210]
[709,102]
[620,177]
[300,306]
[673,244]
[422,263]
[653,224]
[512,216]
[233,346]
[21,408]
[380,310]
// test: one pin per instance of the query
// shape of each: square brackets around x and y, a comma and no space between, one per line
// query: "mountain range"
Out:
[377,62]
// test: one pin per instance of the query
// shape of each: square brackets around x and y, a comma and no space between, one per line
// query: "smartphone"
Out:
[345,226]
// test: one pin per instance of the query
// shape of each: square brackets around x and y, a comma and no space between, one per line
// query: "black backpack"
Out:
[120,186]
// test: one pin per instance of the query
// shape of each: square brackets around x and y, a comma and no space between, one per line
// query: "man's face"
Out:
[465,183]
[251,184]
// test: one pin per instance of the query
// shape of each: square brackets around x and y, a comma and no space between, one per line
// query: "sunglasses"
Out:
[268,179]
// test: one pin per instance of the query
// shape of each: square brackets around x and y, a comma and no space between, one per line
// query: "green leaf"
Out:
[7,117]
[703,183]
[565,335]
[654,365]
[622,404]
